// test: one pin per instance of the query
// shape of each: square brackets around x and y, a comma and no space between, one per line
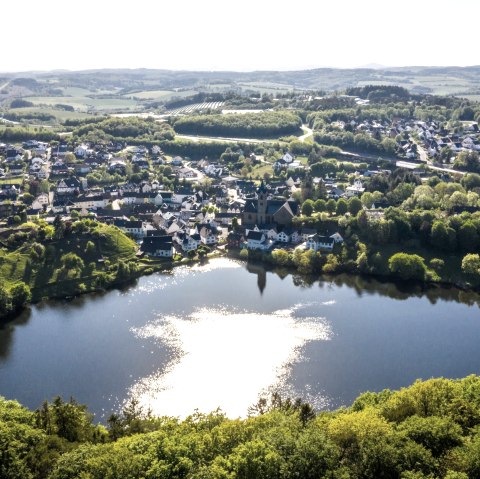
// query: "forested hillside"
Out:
[429,430]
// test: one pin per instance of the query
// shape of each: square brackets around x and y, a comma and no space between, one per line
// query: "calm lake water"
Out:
[219,335]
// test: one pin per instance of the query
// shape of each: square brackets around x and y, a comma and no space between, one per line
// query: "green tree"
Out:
[354,206]
[407,266]
[471,264]
[72,261]
[90,249]
[443,237]
[471,181]
[307,207]
[331,206]
[280,257]
[320,205]
[468,161]
[5,302]
[341,207]
[468,239]
[20,295]
[367,199]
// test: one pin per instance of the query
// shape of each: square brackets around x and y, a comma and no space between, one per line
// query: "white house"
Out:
[257,240]
[90,201]
[137,229]
[190,242]
[81,151]
[355,190]
[337,237]
[283,237]
[186,173]
[318,243]
[296,237]
[160,246]
[67,186]
[208,236]
[40,149]
[43,198]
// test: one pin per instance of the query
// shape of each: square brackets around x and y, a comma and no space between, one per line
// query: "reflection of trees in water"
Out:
[405,290]
[7,331]
[364,285]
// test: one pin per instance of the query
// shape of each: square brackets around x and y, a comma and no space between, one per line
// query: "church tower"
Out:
[262,194]
[307,187]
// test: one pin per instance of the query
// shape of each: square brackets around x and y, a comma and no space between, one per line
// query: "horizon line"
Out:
[305,69]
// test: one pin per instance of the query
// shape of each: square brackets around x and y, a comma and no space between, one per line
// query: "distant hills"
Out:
[464,81]
[65,94]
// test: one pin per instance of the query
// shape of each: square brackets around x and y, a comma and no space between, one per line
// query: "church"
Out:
[263,211]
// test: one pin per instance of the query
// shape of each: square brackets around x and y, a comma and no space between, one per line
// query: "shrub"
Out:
[407,266]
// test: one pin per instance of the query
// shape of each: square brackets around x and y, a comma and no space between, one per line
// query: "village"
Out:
[235,212]
[205,207]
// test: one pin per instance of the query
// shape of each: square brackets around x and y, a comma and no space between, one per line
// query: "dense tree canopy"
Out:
[248,125]
[429,430]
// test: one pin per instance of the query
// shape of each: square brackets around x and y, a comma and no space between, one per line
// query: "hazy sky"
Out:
[236,35]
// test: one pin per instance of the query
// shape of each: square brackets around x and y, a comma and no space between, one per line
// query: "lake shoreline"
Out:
[234,254]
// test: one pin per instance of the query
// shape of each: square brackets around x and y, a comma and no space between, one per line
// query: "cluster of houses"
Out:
[434,138]
[230,211]
[432,135]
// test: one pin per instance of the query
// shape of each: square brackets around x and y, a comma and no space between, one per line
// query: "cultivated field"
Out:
[159,94]
[185,110]
[85,104]
[58,113]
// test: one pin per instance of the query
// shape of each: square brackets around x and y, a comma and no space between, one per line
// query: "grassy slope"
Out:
[16,266]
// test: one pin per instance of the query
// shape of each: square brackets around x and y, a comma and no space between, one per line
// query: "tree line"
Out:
[428,430]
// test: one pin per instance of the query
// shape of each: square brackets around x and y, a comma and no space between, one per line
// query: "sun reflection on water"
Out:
[224,358]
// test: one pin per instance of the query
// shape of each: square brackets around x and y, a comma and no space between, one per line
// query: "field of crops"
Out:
[84,103]
[185,110]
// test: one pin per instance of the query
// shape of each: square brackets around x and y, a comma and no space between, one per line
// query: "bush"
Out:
[437,264]
[407,266]
[71,261]
[471,264]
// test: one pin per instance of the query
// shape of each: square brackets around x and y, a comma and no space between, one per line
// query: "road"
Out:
[4,85]
[221,139]
[200,175]
[308,133]
[423,155]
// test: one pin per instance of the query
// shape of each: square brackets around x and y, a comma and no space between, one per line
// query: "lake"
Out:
[220,334]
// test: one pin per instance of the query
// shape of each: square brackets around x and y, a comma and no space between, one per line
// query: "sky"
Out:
[239,35]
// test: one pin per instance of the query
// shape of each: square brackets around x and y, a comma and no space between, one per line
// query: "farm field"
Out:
[85,104]
[265,87]
[58,113]
[159,94]
[185,110]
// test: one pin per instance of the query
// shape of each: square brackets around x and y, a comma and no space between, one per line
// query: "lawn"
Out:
[18,180]
[260,169]
[13,267]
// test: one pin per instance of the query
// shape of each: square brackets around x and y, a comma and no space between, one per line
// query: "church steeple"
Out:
[262,188]
[262,193]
